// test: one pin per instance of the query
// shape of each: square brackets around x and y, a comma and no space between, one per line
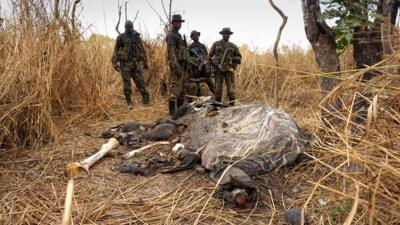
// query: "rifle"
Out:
[219,66]
[200,66]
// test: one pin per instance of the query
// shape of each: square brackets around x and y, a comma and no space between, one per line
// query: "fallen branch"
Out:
[137,151]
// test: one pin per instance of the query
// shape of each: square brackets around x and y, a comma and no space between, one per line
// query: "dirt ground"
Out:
[33,185]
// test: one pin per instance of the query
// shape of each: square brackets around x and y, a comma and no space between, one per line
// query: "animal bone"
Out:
[137,151]
[178,147]
[85,164]
[72,169]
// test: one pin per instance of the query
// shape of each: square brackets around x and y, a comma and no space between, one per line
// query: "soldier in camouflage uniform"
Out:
[198,54]
[178,60]
[225,57]
[128,56]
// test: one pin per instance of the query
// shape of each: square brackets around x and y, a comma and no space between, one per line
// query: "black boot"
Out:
[218,99]
[171,107]
[129,101]
[146,98]
[181,102]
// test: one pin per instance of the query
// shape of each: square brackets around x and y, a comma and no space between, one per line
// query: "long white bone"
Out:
[72,169]
[137,151]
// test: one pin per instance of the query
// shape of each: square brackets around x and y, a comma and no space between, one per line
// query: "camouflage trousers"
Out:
[194,88]
[129,73]
[229,78]
[177,87]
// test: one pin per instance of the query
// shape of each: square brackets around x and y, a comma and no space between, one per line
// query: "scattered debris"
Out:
[322,201]
[293,217]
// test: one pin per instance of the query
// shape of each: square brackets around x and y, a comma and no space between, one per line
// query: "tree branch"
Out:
[170,11]
[276,56]
[136,16]
[56,9]
[165,10]
[126,10]
[155,11]
[73,16]
[119,17]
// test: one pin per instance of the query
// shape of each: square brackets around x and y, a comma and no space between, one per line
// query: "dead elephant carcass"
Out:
[239,142]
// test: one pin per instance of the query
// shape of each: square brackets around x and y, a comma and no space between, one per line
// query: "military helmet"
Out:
[177,18]
[194,32]
[129,25]
[226,30]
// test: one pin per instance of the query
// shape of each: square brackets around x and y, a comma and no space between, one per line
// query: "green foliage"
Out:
[337,211]
[346,15]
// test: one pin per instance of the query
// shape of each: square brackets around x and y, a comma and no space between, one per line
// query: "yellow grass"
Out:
[55,87]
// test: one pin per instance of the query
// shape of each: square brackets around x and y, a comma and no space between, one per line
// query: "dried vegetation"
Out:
[55,86]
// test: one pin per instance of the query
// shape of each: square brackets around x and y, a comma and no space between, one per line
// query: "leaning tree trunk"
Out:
[323,43]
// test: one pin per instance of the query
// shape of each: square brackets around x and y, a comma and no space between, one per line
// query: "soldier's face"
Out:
[226,37]
[177,25]
[195,38]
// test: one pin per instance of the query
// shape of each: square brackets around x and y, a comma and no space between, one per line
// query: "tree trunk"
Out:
[389,15]
[323,43]
[369,42]
[367,51]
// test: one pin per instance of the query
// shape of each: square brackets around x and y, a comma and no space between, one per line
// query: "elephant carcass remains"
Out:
[239,142]
[232,143]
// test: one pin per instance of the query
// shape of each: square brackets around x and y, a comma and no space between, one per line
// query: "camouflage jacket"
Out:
[232,58]
[129,49]
[178,52]
[198,52]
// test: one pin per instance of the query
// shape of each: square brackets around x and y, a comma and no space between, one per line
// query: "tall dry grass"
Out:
[47,74]
[49,79]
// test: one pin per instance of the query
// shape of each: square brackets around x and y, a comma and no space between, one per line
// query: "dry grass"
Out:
[54,89]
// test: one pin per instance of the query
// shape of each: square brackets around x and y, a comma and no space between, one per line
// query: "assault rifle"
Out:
[202,60]
[219,66]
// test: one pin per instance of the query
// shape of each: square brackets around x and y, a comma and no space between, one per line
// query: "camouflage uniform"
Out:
[128,53]
[198,54]
[178,60]
[227,68]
